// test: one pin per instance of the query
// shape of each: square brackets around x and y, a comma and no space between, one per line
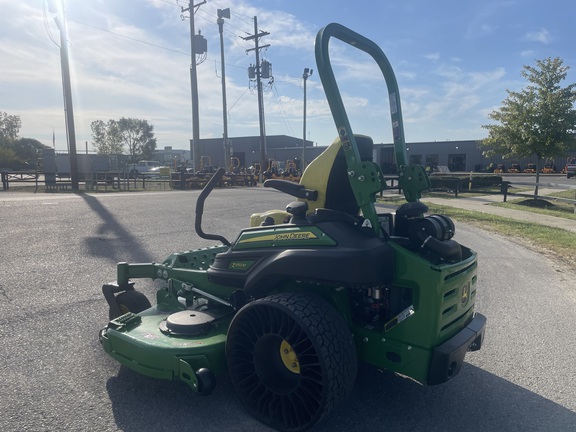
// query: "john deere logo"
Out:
[307,235]
[465,296]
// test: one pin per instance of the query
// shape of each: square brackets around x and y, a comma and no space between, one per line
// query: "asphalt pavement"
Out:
[482,204]
[58,249]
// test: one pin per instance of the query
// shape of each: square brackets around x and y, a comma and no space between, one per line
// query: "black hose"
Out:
[448,250]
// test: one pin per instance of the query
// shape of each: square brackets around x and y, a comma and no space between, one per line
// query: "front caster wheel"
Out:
[130,301]
[206,381]
[291,359]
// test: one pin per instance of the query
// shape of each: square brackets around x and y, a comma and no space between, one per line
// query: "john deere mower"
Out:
[291,306]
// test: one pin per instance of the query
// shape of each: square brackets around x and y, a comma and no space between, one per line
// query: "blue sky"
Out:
[453,59]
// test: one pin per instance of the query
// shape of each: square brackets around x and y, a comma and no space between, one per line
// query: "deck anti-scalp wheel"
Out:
[131,301]
[291,359]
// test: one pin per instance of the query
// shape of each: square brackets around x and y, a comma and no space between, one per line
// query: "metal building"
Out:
[454,156]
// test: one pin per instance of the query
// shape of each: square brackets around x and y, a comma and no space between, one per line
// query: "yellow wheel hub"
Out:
[289,357]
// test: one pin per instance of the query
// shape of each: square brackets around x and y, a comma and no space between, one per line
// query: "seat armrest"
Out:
[295,189]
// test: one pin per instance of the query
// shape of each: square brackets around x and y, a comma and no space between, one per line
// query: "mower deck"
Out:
[144,343]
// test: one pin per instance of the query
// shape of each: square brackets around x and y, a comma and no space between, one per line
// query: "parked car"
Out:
[159,172]
[515,168]
[142,167]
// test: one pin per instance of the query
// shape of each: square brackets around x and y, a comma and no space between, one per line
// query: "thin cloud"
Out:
[481,23]
[542,36]
[458,93]
[527,53]
[131,58]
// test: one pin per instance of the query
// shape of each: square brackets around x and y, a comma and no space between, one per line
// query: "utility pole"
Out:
[221,15]
[307,73]
[256,37]
[68,108]
[193,82]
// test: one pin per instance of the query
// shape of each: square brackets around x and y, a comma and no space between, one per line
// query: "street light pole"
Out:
[60,20]
[224,13]
[307,73]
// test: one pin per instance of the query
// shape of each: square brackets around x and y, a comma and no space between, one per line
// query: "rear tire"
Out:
[291,359]
[130,301]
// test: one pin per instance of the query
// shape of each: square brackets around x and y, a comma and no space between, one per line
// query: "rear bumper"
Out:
[447,359]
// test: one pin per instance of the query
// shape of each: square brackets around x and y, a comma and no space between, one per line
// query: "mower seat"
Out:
[323,185]
[328,175]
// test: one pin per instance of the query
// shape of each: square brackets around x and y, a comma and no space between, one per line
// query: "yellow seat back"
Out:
[328,174]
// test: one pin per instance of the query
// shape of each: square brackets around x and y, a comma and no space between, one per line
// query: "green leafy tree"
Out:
[8,159]
[539,120]
[9,128]
[134,135]
[15,152]
[138,136]
[105,137]
[27,151]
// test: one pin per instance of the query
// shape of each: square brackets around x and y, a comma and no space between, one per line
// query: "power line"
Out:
[229,25]
[153,44]
[237,14]
[147,43]
[214,16]
[284,116]
[169,2]
[238,100]
[47,26]
[131,38]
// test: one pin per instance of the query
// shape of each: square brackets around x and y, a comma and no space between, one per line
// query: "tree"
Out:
[539,120]
[9,128]
[8,158]
[136,135]
[105,138]
[27,151]
[16,152]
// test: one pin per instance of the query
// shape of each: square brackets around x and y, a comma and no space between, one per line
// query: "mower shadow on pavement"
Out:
[477,401]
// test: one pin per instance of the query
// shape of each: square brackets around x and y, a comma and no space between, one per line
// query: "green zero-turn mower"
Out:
[291,305]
